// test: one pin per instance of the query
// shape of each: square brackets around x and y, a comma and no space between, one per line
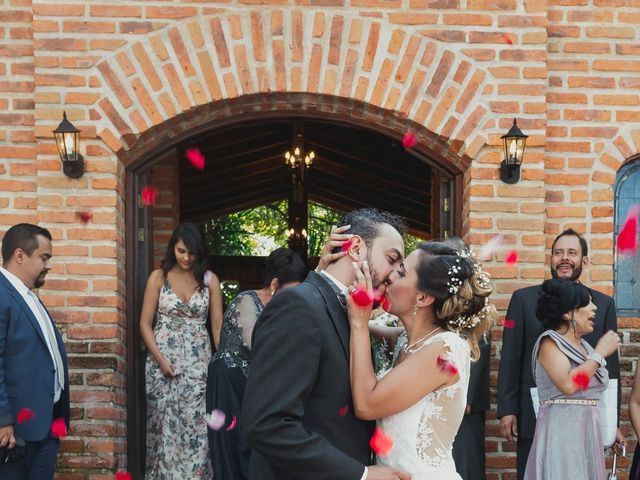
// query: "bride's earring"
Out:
[415,311]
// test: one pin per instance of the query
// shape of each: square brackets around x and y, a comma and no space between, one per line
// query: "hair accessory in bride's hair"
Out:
[463,322]
[454,282]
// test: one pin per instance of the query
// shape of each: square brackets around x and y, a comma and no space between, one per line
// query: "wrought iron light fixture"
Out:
[293,160]
[514,142]
[68,142]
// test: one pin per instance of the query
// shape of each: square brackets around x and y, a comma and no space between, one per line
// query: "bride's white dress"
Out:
[424,433]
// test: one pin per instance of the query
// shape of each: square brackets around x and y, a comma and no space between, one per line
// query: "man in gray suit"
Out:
[515,379]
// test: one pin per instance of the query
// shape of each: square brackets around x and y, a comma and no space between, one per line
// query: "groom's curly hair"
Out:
[365,222]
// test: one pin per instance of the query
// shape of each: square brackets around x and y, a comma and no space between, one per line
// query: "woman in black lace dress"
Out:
[229,367]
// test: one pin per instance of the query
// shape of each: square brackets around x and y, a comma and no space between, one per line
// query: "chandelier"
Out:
[295,160]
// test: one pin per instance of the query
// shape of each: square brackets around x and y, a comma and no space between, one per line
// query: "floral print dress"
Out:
[177,447]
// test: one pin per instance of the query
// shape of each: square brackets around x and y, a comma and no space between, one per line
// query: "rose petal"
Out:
[507,39]
[382,300]
[508,323]
[84,217]
[208,276]
[123,476]
[215,420]
[581,380]
[512,258]
[491,247]
[344,410]
[627,241]
[59,428]
[347,245]
[447,366]
[409,140]
[362,297]
[195,156]
[24,415]
[381,442]
[149,195]
[232,425]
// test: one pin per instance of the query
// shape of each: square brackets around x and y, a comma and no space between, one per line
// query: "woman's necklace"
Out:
[409,348]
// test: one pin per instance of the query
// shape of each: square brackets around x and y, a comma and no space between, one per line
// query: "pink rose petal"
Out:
[215,420]
[409,140]
[447,366]
[512,258]
[508,323]
[24,415]
[84,217]
[195,156]
[581,380]
[59,428]
[344,410]
[507,39]
[347,245]
[123,476]
[627,241]
[362,297]
[233,423]
[381,442]
[149,195]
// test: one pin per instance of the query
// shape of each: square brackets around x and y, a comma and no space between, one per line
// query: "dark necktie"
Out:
[341,296]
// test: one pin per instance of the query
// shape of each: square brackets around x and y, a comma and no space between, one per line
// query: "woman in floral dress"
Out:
[173,323]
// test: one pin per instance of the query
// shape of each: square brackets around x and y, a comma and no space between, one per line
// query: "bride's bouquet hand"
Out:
[361,295]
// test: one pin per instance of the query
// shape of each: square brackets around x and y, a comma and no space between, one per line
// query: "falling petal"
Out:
[149,195]
[507,39]
[59,428]
[512,258]
[347,245]
[381,442]
[382,300]
[409,140]
[216,419]
[447,366]
[24,415]
[492,246]
[123,476]
[207,277]
[362,297]
[627,242]
[508,323]
[232,425]
[581,380]
[84,217]
[195,156]
[344,410]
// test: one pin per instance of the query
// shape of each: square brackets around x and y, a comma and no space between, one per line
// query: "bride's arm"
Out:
[404,385]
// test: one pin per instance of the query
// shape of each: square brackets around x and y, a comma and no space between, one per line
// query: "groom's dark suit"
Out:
[298,410]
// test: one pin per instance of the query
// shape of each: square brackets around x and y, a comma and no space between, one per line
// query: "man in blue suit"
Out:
[33,361]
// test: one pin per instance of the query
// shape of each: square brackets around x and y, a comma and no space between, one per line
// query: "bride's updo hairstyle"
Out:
[461,290]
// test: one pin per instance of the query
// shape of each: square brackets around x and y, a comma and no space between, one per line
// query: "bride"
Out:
[441,298]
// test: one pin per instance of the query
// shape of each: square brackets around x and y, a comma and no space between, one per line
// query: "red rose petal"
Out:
[344,410]
[362,297]
[508,323]
[232,425]
[381,443]
[409,140]
[581,380]
[195,156]
[123,476]
[24,415]
[627,241]
[447,366]
[512,258]
[59,428]
[507,39]
[383,301]
[347,245]
[84,217]
[149,195]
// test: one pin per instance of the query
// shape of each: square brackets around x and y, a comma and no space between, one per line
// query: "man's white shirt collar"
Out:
[15,281]
[343,288]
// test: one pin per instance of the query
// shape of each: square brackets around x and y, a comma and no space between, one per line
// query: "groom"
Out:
[298,411]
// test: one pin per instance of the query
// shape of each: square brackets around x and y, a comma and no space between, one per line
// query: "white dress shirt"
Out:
[42,322]
[343,288]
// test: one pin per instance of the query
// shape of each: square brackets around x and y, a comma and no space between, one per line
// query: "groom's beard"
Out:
[376,281]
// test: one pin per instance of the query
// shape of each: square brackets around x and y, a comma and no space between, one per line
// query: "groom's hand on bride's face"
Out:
[380,472]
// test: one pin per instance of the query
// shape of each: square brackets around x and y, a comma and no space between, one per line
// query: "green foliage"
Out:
[260,230]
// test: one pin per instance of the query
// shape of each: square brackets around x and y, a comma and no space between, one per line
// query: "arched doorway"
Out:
[360,162]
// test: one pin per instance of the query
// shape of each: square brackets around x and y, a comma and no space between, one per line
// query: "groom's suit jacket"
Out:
[26,368]
[298,411]
[515,377]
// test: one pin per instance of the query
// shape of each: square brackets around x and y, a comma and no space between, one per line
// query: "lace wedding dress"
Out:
[423,434]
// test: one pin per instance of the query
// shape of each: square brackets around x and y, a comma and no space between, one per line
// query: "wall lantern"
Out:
[68,141]
[514,142]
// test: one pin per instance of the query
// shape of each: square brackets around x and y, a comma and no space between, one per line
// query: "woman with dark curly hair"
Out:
[571,378]
[441,299]
[177,299]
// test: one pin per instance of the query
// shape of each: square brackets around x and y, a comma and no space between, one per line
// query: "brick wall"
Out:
[456,71]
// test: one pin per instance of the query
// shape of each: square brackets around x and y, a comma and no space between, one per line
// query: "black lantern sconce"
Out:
[513,142]
[68,141]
